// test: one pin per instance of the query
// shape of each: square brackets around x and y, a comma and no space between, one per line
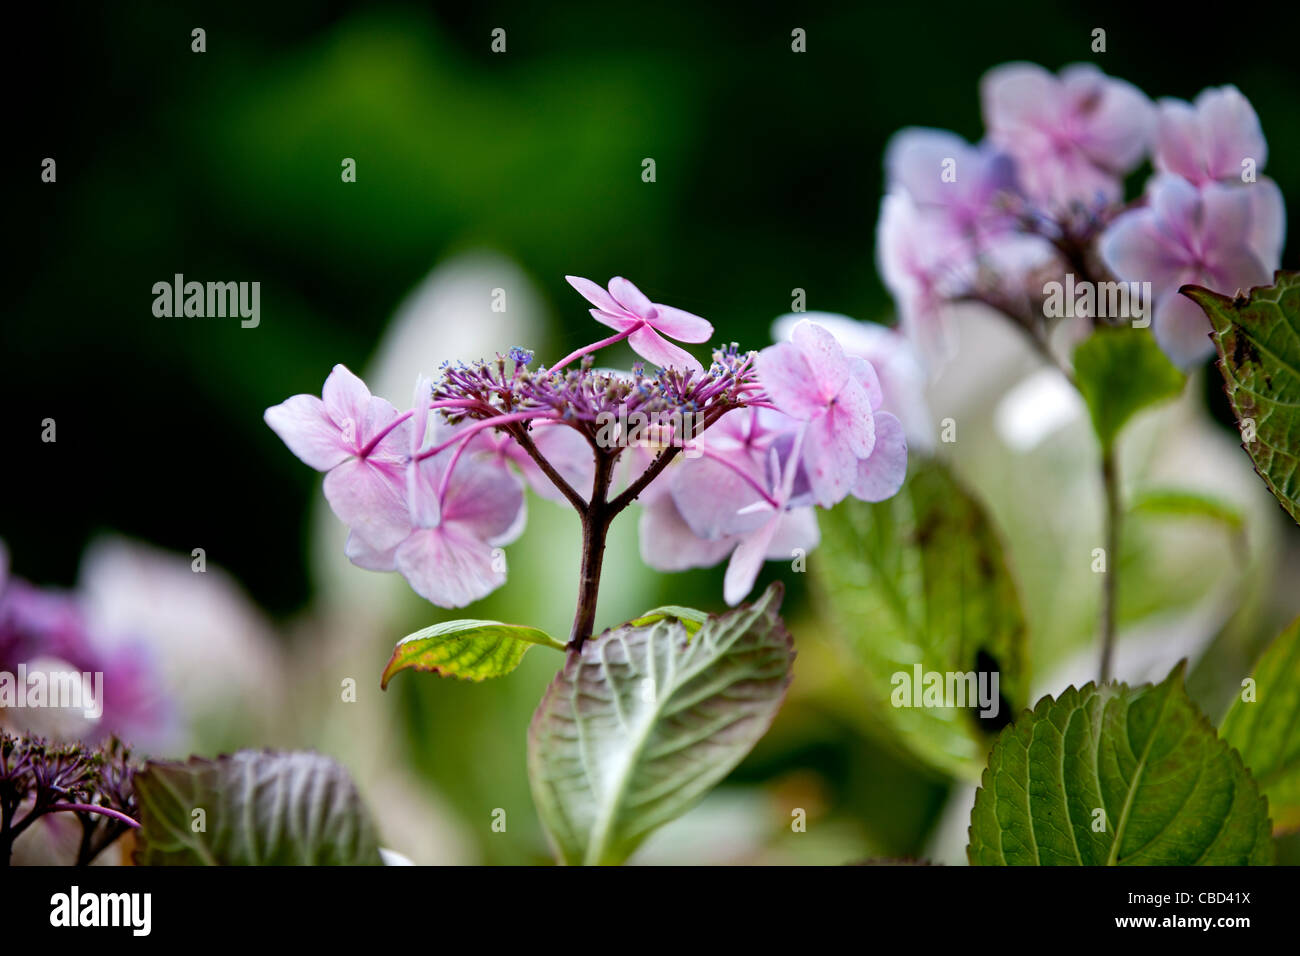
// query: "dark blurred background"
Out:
[225,165]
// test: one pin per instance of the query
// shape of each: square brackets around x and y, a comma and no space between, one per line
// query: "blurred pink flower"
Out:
[1185,235]
[1073,135]
[1218,139]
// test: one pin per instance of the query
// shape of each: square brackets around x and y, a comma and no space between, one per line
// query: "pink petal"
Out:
[652,347]
[746,561]
[788,381]
[1230,131]
[1267,222]
[851,417]
[1182,330]
[485,498]
[367,499]
[448,567]
[303,424]
[827,363]
[865,375]
[1136,249]
[829,461]
[618,322]
[708,496]
[914,159]
[364,556]
[594,294]
[668,544]
[881,474]
[347,400]
[1116,118]
[632,299]
[1015,96]
[423,479]
[419,415]
[1178,148]
[796,530]
[682,326]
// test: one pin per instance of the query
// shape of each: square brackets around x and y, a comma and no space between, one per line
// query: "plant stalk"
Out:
[1110,581]
[596,517]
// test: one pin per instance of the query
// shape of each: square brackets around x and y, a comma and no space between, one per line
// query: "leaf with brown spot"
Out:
[1257,336]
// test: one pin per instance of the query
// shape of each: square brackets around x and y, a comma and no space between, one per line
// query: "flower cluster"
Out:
[38,778]
[728,460]
[1042,196]
[45,632]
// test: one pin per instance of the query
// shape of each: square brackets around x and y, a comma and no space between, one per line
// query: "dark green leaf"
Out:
[1113,775]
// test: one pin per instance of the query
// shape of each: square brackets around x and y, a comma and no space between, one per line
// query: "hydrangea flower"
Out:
[1043,203]
[1185,235]
[49,630]
[1218,139]
[433,492]
[360,442]
[643,323]
[896,360]
[1073,136]
[810,379]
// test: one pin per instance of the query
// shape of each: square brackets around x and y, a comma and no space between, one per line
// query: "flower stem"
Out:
[595,526]
[1110,582]
[587,349]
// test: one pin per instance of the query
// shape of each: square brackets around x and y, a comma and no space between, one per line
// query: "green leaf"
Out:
[1258,340]
[1182,503]
[470,650]
[1117,776]
[1266,729]
[640,725]
[258,809]
[1120,372]
[691,618]
[921,580]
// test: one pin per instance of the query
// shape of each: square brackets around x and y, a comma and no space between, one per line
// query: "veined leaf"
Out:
[1258,340]
[920,581]
[255,809]
[471,650]
[1114,775]
[691,618]
[647,719]
[1266,729]
[1184,503]
[1120,372]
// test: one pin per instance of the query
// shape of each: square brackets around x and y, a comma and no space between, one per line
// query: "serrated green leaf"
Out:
[257,809]
[646,720]
[1266,730]
[1120,372]
[470,650]
[691,618]
[1117,776]
[921,579]
[1257,337]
